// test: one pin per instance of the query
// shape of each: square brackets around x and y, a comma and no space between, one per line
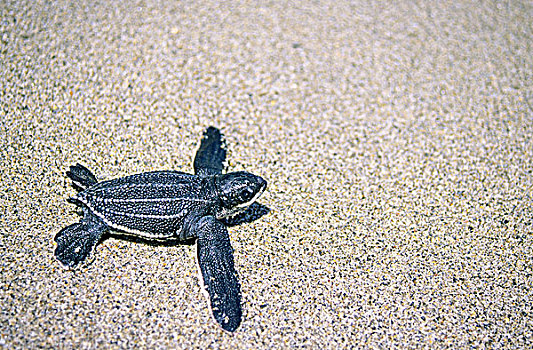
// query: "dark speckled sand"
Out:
[396,139]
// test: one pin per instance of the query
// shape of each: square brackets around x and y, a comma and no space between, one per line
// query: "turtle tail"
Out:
[81,176]
[76,242]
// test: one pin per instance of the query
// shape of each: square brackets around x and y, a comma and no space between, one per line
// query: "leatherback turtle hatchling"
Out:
[170,205]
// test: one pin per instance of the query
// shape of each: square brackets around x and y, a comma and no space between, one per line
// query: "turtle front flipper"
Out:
[76,242]
[210,157]
[215,258]
[81,176]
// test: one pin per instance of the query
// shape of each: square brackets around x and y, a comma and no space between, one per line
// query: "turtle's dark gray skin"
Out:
[170,205]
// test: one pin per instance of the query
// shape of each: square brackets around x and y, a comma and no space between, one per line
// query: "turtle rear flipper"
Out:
[77,241]
[81,176]
[210,157]
[215,258]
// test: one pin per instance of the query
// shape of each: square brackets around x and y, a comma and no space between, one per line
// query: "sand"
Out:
[395,138]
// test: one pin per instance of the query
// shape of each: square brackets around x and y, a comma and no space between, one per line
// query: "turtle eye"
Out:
[248,194]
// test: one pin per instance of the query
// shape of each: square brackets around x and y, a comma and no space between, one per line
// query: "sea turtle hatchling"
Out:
[170,205]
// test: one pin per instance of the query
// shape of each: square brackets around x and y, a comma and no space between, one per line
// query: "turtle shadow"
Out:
[151,242]
[254,212]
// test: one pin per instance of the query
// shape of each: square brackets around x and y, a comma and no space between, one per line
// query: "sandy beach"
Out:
[395,139]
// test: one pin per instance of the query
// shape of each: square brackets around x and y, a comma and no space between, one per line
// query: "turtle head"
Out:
[239,190]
